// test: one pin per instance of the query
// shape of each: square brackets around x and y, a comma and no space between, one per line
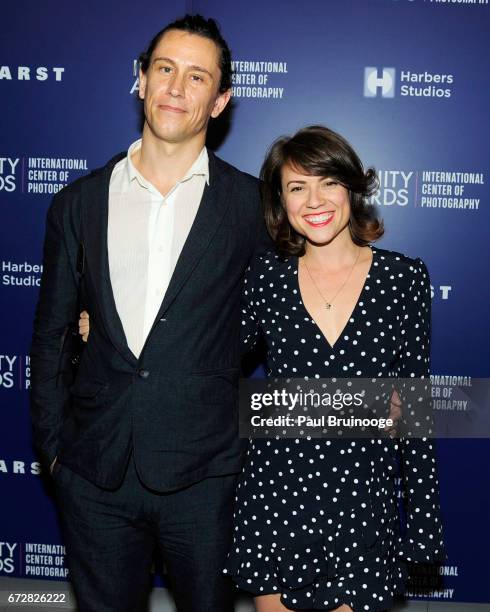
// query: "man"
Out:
[147,453]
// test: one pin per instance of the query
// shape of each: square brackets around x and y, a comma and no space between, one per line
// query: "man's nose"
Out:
[176,85]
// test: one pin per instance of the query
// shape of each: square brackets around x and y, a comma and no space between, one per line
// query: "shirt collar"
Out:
[200,167]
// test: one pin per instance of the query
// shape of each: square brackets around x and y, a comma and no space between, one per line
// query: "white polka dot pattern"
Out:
[317,520]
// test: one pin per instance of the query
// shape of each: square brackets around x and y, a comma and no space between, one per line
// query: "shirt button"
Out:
[143,373]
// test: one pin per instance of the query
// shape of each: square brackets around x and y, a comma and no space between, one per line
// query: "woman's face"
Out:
[317,207]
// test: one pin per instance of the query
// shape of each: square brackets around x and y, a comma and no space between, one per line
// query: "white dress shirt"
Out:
[145,235]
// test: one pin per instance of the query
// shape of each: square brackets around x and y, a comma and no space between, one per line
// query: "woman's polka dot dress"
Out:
[317,520]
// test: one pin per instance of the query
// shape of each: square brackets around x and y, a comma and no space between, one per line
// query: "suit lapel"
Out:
[95,212]
[214,204]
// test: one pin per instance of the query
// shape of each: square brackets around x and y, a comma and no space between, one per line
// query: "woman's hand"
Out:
[84,325]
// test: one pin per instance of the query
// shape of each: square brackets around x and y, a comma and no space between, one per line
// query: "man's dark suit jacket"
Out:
[175,406]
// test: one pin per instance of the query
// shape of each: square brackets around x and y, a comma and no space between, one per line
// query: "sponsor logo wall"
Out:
[406,81]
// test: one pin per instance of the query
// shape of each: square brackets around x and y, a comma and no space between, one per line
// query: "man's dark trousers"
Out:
[111,536]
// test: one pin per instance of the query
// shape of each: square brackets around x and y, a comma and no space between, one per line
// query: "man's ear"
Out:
[220,103]
[141,85]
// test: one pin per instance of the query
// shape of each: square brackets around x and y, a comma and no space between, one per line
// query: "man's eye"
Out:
[330,183]
[165,69]
[196,77]
[297,188]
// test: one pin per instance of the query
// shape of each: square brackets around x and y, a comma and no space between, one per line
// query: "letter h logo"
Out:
[373,81]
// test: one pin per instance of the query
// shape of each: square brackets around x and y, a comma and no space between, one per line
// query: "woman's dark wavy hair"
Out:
[318,151]
[195,24]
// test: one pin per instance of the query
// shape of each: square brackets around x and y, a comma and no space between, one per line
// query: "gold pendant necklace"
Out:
[329,303]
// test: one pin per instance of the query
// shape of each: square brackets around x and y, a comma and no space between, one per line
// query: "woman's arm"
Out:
[423,540]
[250,325]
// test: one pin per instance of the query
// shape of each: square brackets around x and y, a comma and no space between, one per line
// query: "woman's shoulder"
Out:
[266,269]
[270,263]
[399,264]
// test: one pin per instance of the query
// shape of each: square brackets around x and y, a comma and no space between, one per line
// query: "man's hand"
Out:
[84,325]
[395,414]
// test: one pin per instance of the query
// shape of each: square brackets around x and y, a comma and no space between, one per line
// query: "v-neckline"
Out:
[353,311]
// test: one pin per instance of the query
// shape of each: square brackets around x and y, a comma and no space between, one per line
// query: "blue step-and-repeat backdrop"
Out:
[406,81]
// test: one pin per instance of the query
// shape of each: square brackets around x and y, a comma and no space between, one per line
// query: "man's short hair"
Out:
[196,24]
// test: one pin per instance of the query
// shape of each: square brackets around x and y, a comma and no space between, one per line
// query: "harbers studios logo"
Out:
[384,83]
[379,82]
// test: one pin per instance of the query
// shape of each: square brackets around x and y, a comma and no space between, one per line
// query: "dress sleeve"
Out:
[423,538]
[250,328]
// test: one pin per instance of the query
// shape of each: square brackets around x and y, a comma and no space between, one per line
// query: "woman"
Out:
[316,521]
